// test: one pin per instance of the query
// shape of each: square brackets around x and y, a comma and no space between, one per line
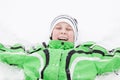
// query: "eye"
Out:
[69,29]
[58,28]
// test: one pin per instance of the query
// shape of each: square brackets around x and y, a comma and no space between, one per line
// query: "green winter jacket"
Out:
[62,61]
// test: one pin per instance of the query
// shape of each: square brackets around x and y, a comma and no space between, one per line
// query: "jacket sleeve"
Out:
[16,48]
[106,62]
[30,64]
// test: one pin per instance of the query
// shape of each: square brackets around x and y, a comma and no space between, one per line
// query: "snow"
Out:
[8,72]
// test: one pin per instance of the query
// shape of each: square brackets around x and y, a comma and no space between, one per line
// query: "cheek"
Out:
[55,34]
[71,36]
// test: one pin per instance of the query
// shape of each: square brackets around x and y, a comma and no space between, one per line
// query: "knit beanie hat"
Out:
[65,18]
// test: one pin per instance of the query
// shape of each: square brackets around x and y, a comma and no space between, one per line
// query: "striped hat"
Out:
[71,21]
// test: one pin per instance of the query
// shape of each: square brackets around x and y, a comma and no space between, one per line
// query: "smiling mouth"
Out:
[63,39]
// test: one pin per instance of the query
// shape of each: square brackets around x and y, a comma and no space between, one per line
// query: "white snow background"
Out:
[28,21]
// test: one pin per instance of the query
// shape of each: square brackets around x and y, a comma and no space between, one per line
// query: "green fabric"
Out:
[1,45]
[86,46]
[13,49]
[35,48]
[84,65]
[2,48]
[57,44]
[29,64]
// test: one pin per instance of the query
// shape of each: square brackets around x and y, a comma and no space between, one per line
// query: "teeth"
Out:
[63,38]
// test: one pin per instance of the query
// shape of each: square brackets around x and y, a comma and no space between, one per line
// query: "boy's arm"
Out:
[106,61]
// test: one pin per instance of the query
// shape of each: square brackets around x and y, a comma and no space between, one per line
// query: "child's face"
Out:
[63,31]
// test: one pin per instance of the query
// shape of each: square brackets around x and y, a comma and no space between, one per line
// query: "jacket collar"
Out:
[57,44]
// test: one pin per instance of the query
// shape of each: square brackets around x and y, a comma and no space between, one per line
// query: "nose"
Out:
[63,31]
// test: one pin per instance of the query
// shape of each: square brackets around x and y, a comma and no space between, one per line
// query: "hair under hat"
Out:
[71,21]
